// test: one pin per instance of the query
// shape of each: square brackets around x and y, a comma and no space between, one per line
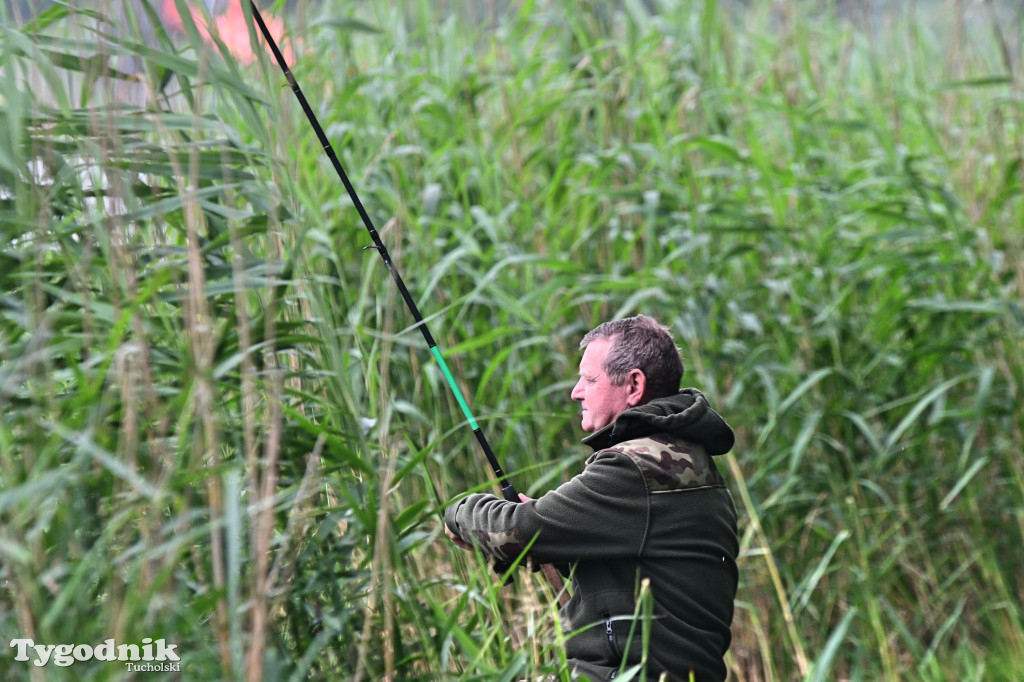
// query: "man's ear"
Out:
[637,383]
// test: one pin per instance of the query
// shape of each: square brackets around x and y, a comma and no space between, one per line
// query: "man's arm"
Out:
[459,542]
[600,512]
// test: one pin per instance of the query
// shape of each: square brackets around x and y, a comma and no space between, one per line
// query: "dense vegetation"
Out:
[219,428]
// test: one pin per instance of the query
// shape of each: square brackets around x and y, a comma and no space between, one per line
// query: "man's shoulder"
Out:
[669,463]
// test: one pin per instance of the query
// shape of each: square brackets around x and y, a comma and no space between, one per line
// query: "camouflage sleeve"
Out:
[601,512]
[484,521]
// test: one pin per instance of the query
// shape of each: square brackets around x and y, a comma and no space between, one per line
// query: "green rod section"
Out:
[455,387]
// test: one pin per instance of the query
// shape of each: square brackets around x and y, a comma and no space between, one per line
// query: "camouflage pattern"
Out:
[505,545]
[670,464]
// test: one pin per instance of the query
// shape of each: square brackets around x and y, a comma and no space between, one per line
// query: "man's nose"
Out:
[577,391]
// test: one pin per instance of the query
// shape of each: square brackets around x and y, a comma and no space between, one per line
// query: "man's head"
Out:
[625,363]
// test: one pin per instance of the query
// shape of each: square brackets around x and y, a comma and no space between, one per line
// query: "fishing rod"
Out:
[507,491]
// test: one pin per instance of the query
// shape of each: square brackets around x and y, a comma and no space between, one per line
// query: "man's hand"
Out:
[456,539]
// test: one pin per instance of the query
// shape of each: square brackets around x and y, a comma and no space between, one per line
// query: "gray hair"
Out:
[642,343]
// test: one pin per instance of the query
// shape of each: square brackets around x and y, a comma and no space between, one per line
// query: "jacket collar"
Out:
[686,415]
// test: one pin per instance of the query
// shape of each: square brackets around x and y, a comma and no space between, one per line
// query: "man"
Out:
[649,505]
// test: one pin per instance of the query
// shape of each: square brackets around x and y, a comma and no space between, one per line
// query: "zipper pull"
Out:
[611,636]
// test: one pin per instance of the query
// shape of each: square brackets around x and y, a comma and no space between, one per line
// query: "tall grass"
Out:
[219,428]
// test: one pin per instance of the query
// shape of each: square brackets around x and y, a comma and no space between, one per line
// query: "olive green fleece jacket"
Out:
[649,504]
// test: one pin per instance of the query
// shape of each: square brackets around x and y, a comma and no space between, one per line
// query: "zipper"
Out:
[611,636]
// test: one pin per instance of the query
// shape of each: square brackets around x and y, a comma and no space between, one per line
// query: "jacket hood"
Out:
[686,415]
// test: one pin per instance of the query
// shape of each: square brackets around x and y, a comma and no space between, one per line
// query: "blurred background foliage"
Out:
[219,428]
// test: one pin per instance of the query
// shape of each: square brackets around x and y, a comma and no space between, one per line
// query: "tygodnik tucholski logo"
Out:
[150,656]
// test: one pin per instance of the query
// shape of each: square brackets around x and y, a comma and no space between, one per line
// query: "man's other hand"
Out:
[456,539]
